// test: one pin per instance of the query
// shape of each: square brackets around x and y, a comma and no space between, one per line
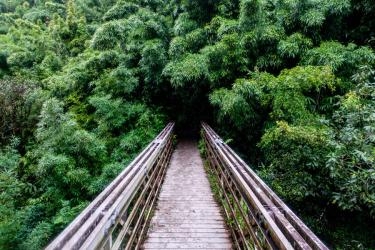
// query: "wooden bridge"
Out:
[164,200]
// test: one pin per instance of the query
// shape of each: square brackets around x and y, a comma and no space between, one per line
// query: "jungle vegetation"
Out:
[85,84]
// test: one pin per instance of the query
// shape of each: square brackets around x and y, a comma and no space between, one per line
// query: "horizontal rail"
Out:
[118,217]
[257,217]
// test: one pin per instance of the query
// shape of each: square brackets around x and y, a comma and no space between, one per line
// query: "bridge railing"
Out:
[257,217]
[118,217]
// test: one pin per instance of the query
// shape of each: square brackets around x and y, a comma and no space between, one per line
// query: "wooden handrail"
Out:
[118,216]
[258,218]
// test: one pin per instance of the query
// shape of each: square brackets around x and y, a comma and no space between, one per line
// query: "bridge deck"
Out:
[187,216]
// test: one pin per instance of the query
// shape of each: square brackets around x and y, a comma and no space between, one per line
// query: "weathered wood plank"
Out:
[187,245]
[187,216]
[222,234]
[188,230]
[180,240]
[187,225]
[190,221]
[184,217]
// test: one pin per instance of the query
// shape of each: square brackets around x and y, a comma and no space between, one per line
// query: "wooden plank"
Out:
[156,248]
[187,225]
[188,199]
[188,204]
[194,221]
[187,216]
[188,235]
[192,212]
[153,245]
[187,230]
[187,240]
[172,209]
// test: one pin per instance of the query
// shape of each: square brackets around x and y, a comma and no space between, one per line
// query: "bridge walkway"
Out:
[186,214]
[122,216]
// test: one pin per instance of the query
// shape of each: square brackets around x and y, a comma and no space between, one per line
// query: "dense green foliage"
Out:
[85,84]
